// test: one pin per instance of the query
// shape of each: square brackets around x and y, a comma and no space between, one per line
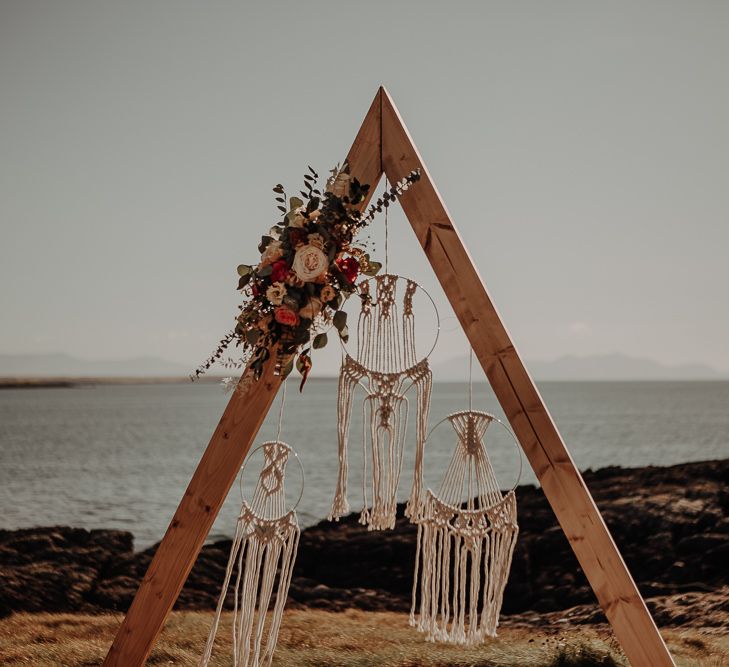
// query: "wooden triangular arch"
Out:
[383,145]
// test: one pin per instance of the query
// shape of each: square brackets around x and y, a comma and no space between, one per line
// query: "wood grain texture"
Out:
[560,479]
[217,469]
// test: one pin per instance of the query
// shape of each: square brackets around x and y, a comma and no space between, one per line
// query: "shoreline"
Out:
[73,381]
[671,524]
[69,382]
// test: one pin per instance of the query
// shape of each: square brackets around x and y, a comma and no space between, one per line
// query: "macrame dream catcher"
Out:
[464,547]
[261,561]
[385,365]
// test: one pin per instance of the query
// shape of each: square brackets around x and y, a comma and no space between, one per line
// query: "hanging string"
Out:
[280,412]
[470,379]
[387,207]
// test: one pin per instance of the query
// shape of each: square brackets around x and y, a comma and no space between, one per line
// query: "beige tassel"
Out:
[262,556]
[387,369]
[463,555]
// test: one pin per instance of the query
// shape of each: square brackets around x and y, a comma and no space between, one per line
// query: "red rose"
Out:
[286,316]
[349,266]
[279,271]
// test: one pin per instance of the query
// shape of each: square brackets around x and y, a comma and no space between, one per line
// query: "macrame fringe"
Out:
[262,558]
[461,568]
[386,368]
[463,554]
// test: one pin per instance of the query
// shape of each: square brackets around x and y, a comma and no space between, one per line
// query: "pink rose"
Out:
[286,316]
[310,263]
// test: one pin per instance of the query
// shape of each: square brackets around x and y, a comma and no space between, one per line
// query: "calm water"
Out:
[121,456]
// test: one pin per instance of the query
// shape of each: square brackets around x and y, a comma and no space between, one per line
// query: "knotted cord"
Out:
[263,554]
[464,548]
[386,367]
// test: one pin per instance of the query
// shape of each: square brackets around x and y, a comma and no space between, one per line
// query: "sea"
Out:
[121,456]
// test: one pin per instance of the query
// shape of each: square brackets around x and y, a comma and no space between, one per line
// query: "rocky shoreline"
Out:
[671,525]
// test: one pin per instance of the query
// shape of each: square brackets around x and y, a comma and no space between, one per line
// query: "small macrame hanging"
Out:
[386,365]
[262,560]
[464,548]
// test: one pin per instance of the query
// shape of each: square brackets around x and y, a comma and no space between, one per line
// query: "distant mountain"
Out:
[595,367]
[64,365]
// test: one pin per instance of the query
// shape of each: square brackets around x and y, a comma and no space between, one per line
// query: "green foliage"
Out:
[320,341]
[340,320]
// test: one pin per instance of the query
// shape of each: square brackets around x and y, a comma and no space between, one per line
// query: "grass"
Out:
[322,639]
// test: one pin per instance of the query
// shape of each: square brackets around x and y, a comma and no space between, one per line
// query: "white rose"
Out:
[275,293]
[310,263]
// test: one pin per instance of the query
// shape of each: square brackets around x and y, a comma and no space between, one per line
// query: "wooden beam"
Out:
[193,519]
[217,469]
[560,479]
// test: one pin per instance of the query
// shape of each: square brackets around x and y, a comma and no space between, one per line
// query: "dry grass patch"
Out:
[322,639]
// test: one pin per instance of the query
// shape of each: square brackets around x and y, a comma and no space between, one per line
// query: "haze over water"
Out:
[121,456]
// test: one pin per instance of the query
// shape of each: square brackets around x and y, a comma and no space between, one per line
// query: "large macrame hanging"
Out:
[464,549]
[386,366]
[262,560]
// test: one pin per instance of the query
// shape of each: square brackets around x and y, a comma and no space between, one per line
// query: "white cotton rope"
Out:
[262,556]
[463,554]
[386,367]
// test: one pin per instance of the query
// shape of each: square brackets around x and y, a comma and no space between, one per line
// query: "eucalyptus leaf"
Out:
[340,320]
[244,269]
[320,340]
[300,365]
[265,271]
[286,370]
[372,268]
[295,202]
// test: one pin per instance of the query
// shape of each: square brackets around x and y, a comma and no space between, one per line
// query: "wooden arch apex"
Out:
[383,145]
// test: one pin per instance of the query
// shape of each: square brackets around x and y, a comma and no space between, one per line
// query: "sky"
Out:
[582,149]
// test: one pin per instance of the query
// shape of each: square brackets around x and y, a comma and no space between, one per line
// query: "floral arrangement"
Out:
[309,265]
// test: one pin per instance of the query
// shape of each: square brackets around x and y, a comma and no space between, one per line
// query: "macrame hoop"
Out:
[291,452]
[363,287]
[492,418]
[262,556]
[386,366]
[463,554]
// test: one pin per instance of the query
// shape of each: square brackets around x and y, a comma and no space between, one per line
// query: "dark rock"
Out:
[670,524]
